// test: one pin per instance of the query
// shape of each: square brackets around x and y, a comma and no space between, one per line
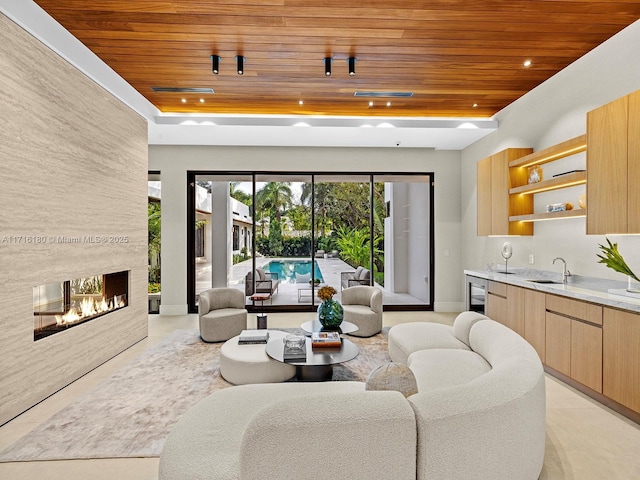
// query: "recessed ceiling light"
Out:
[202,100]
[475,105]
[371,104]
[527,63]
[184,100]
[388,104]
[300,102]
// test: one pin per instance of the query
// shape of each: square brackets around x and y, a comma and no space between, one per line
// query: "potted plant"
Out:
[613,259]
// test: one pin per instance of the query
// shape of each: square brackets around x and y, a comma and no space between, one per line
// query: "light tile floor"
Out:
[585,440]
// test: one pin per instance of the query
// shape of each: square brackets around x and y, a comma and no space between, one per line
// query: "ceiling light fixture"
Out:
[300,102]
[184,100]
[215,64]
[327,66]
[475,105]
[371,104]
[527,63]
[388,104]
[240,61]
[202,100]
[352,65]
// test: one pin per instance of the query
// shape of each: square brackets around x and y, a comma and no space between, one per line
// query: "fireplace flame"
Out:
[90,307]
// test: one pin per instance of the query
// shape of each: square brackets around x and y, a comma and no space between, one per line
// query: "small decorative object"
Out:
[559,207]
[295,348]
[330,312]
[582,200]
[614,261]
[294,342]
[506,252]
[315,281]
[393,376]
[535,174]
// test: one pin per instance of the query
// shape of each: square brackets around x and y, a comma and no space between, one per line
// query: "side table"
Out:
[261,317]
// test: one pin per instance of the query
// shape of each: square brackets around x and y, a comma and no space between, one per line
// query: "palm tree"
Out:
[275,198]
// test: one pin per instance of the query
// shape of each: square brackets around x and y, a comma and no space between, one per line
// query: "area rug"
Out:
[131,413]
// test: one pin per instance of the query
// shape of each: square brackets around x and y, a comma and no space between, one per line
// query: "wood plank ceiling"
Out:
[451,54]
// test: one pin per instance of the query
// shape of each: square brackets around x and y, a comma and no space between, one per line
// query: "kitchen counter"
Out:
[609,293]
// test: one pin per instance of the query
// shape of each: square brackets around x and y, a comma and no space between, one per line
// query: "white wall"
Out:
[551,113]
[174,161]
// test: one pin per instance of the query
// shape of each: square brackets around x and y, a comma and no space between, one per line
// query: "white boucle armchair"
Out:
[363,307]
[222,314]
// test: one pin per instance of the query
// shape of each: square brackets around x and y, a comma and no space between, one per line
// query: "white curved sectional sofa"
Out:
[479,414]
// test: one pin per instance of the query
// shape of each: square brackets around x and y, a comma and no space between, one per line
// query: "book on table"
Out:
[326,340]
[248,337]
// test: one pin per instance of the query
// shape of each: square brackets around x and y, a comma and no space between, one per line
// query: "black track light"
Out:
[327,66]
[215,64]
[240,60]
[352,65]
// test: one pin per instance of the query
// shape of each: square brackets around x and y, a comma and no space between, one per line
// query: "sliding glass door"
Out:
[294,233]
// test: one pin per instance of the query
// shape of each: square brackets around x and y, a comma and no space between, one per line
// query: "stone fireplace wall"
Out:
[73,203]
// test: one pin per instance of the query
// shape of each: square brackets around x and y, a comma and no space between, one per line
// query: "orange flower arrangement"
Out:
[326,293]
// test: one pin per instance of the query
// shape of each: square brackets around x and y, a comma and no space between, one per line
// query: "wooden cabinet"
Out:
[534,321]
[484,197]
[558,343]
[613,167]
[621,357]
[574,339]
[496,307]
[505,304]
[586,354]
[495,205]
[515,309]
[594,348]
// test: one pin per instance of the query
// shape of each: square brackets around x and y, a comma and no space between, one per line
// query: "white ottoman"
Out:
[244,364]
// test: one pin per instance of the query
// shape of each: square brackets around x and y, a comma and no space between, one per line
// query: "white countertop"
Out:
[588,289]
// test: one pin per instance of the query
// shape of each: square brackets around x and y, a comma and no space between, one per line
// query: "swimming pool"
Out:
[287,269]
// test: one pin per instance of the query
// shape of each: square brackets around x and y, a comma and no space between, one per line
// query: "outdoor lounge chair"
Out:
[266,282]
[361,276]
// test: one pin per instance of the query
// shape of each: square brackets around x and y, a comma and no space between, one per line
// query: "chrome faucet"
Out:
[565,273]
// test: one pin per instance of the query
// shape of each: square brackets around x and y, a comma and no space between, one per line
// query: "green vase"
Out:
[330,314]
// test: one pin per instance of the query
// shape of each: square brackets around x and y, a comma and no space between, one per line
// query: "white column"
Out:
[174,239]
[221,234]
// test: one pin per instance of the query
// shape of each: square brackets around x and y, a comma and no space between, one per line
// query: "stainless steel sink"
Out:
[544,280]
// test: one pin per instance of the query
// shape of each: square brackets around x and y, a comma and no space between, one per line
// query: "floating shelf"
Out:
[564,181]
[555,152]
[536,217]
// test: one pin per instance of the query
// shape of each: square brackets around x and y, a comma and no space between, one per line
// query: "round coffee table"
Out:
[315,326]
[318,366]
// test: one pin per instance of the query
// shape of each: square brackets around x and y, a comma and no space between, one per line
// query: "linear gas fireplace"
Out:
[60,306]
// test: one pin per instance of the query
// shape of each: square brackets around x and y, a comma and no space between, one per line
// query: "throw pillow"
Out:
[393,376]
[260,275]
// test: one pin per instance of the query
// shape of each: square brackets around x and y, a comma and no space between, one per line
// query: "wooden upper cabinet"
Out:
[633,165]
[484,197]
[494,203]
[613,167]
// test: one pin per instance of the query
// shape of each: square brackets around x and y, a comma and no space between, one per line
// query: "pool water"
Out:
[287,269]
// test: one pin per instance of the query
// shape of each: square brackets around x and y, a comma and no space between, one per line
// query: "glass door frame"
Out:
[191,233]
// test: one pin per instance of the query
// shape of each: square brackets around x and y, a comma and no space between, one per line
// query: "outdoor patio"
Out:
[288,293]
